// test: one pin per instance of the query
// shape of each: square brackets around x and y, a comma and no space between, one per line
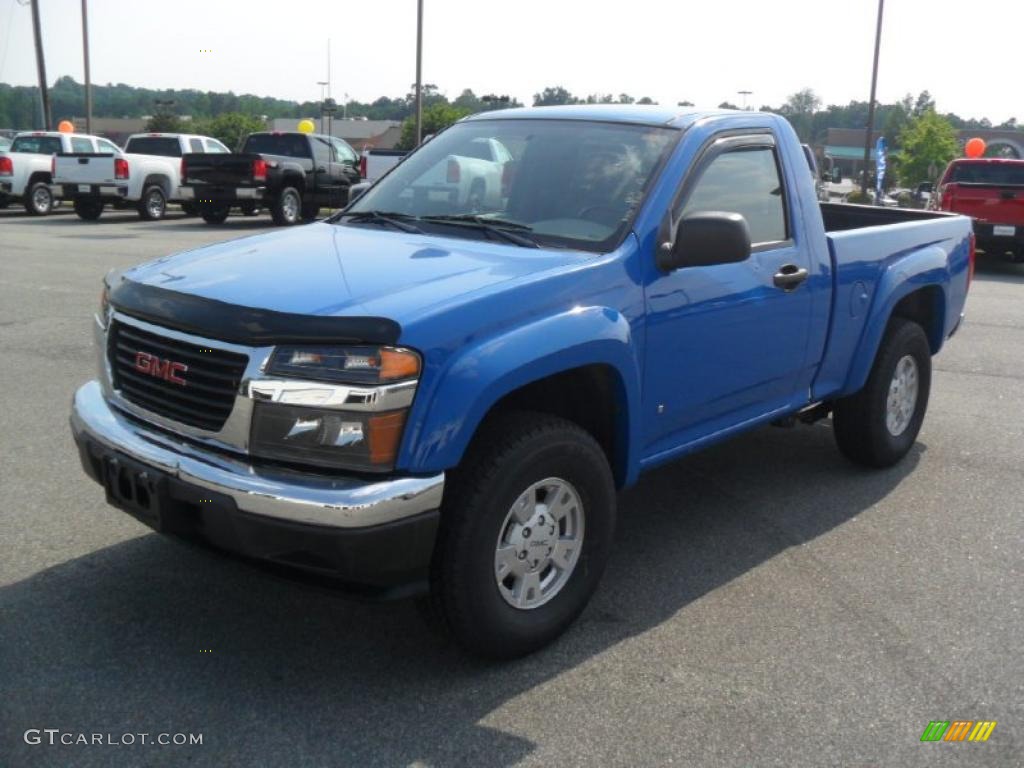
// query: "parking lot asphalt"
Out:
[766,604]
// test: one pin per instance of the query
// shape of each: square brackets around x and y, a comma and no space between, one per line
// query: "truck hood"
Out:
[330,270]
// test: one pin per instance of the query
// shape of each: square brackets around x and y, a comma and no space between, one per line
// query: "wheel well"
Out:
[293,180]
[163,182]
[39,176]
[591,396]
[926,307]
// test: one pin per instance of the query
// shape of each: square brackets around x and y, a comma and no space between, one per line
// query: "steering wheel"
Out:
[610,209]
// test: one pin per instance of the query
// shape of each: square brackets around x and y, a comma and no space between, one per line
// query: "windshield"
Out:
[283,144]
[572,183]
[37,145]
[995,174]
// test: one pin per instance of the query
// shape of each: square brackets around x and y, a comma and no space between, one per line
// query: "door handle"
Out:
[789,277]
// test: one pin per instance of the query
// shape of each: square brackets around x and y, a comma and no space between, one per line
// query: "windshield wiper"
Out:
[396,220]
[500,227]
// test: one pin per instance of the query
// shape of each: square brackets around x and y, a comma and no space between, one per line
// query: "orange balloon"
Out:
[66,126]
[975,148]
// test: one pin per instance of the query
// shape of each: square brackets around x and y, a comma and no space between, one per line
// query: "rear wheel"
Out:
[215,214]
[89,210]
[39,199]
[526,529]
[287,208]
[153,203]
[877,426]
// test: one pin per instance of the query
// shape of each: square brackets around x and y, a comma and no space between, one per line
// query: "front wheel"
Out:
[526,530]
[89,210]
[287,208]
[215,214]
[877,426]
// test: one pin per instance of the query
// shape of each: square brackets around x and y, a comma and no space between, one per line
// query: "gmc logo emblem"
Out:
[167,370]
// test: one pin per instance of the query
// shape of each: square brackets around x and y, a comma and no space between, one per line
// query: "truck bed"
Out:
[839,217]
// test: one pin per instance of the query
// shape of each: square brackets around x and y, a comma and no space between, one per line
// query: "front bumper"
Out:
[377,534]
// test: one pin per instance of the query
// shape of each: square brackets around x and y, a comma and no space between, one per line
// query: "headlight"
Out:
[351,365]
[104,304]
[337,407]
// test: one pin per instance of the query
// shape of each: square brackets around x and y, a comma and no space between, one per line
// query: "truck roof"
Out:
[640,114]
[57,134]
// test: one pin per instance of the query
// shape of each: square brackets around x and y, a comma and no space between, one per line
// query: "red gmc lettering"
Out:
[167,370]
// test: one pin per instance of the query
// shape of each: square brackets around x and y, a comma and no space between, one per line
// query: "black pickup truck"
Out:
[292,174]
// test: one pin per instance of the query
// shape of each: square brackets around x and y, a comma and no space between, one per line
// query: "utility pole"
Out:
[744,94]
[419,72]
[44,94]
[85,53]
[871,104]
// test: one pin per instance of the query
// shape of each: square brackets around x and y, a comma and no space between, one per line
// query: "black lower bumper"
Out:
[5,188]
[384,561]
[996,238]
[223,195]
[100,193]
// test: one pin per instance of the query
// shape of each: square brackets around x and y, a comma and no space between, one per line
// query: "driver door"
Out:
[725,342]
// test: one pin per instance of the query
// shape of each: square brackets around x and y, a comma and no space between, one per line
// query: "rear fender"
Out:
[923,268]
[446,415]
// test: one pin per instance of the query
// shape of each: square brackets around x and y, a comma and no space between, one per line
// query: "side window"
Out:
[744,181]
[212,145]
[321,150]
[195,145]
[81,145]
[107,148]
[343,152]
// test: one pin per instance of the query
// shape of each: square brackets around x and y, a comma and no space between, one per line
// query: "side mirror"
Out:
[356,190]
[836,176]
[706,238]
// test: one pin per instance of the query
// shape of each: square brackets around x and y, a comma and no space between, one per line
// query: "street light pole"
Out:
[85,53]
[871,104]
[744,94]
[419,72]
[44,94]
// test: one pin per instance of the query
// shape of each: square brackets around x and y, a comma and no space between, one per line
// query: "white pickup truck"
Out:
[475,177]
[146,174]
[26,168]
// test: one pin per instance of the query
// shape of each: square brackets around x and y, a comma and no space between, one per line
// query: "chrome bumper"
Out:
[327,500]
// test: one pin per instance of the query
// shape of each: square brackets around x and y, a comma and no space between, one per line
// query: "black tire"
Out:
[310,211]
[249,209]
[286,209]
[39,199]
[153,203]
[4,201]
[189,209]
[512,452]
[89,210]
[860,422]
[215,214]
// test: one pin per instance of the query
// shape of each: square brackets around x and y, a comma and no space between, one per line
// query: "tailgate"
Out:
[82,168]
[991,204]
[218,169]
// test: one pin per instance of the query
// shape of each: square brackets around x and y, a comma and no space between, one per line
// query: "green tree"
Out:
[928,139]
[555,95]
[165,123]
[645,100]
[799,109]
[436,118]
[230,128]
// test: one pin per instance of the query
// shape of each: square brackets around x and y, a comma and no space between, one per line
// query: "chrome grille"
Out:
[211,378]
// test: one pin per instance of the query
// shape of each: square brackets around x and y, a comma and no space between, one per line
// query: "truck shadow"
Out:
[149,634]
[998,269]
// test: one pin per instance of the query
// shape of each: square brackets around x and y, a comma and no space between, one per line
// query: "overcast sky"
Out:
[966,53]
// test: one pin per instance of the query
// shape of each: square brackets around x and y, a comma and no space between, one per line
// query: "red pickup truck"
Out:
[991,192]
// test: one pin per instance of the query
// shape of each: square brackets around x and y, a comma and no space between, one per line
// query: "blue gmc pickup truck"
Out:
[438,391]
